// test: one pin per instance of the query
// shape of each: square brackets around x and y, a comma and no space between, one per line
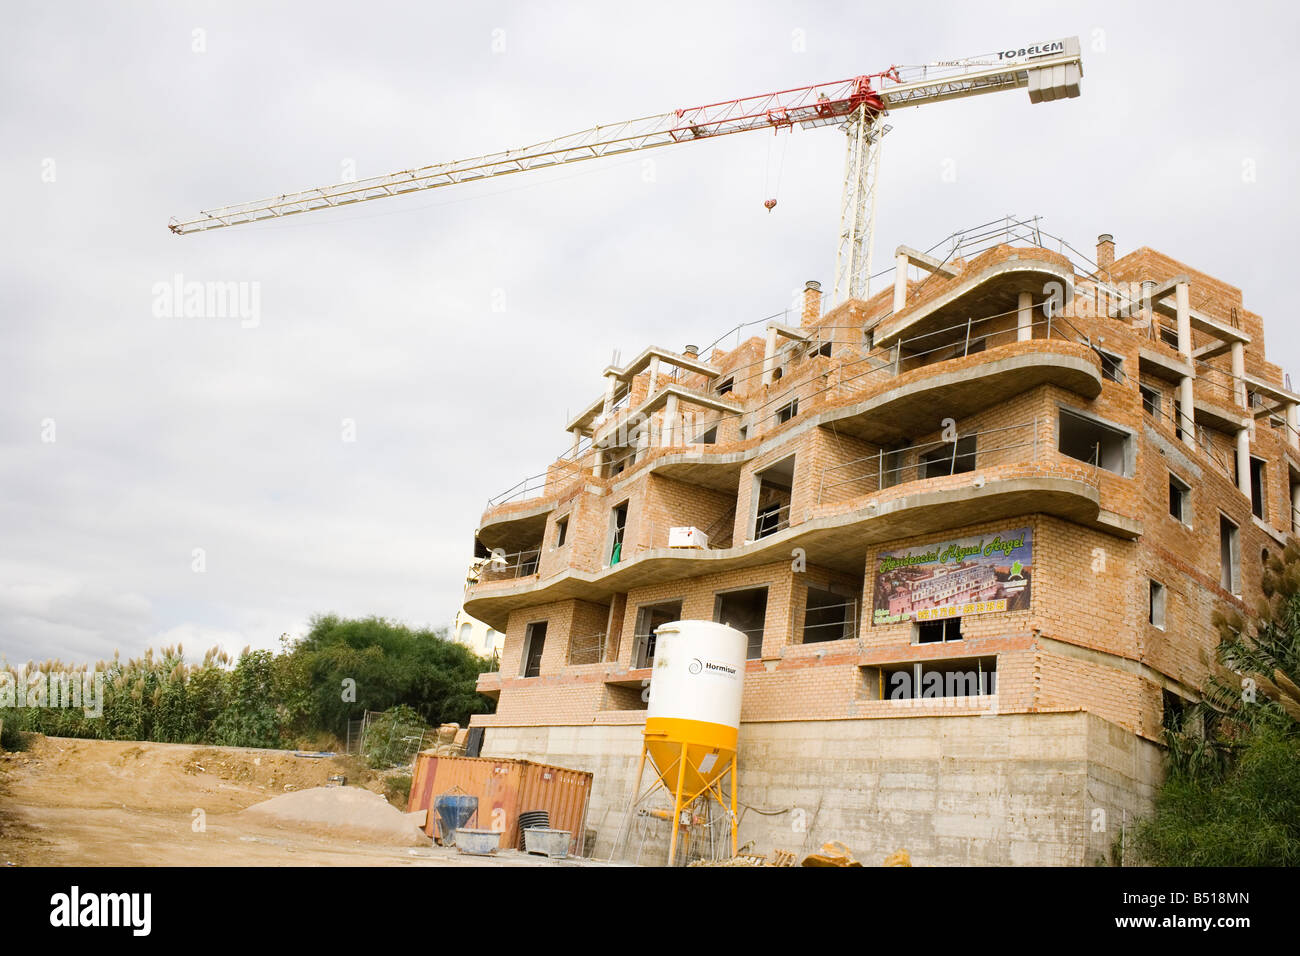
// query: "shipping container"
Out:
[505,788]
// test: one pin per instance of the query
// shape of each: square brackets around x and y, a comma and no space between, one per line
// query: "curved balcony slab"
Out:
[719,470]
[919,399]
[994,290]
[838,540]
[908,407]
[516,530]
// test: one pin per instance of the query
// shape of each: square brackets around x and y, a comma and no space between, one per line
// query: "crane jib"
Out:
[1048,71]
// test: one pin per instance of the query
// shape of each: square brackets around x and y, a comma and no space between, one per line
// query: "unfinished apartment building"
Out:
[975,529]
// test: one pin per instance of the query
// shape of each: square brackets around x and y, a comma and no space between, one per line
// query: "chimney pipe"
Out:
[812,302]
[1105,251]
[693,351]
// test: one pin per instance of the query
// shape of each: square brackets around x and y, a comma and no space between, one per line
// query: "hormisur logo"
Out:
[102,909]
[711,667]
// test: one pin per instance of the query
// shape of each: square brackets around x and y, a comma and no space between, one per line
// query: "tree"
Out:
[389,664]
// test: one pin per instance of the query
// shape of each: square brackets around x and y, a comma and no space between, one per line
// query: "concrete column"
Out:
[1025,318]
[577,440]
[1144,305]
[599,462]
[1187,411]
[1243,461]
[643,439]
[610,383]
[1239,373]
[1293,426]
[1183,309]
[900,282]
[1295,509]
[654,374]
[1186,395]
[769,356]
[670,421]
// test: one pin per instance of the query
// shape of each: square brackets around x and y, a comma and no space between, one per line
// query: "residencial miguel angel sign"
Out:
[954,578]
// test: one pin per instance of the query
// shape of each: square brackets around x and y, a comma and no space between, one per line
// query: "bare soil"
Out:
[68,802]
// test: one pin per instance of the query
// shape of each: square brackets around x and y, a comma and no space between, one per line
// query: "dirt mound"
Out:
[108,773]
[342,812]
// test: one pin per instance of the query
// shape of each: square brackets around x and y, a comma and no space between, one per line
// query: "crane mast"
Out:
[858,105]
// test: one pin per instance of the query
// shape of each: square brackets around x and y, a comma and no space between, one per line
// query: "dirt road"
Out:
[72,802]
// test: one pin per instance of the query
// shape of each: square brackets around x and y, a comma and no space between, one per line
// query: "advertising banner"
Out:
[954,578]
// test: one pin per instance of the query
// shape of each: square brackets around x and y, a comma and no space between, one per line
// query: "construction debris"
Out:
[901,858]
[744,860]
[450,741]
[833,853]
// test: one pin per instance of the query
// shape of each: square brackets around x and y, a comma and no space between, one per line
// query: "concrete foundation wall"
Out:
[1012,789]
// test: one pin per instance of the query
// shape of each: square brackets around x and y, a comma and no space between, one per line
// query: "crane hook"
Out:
[770,204]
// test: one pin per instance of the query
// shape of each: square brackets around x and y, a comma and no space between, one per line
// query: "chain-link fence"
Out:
[388,738]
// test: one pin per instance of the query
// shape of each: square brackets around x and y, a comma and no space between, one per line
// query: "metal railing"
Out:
[503,567]
[588,649]
[1200,437]
[771,520]
[560,474]
[753,642]
[919,462]
[722,532]
[848,621]
[959,341]
[531,487]
[643,650]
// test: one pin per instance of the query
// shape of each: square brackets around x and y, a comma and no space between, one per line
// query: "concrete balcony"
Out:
[990,285]
[906,404]
[489,684]
[837,536]
[877,402]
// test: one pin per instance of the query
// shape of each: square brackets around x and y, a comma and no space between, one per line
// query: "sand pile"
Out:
[341,812]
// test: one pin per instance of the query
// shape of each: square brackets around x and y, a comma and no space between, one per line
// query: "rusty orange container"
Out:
[505,788]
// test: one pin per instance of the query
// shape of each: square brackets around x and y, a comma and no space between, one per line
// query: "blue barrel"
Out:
[454,811]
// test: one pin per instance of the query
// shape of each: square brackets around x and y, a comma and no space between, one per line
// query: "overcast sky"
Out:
[457,327]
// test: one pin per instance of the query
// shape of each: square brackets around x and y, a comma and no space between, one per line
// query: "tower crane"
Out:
[859,105]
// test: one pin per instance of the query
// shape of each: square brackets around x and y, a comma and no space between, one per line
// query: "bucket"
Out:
[530,819]
[477,842]
[543,840]
[454,810]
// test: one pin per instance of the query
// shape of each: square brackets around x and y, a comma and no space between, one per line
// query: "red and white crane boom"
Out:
[1049,71]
